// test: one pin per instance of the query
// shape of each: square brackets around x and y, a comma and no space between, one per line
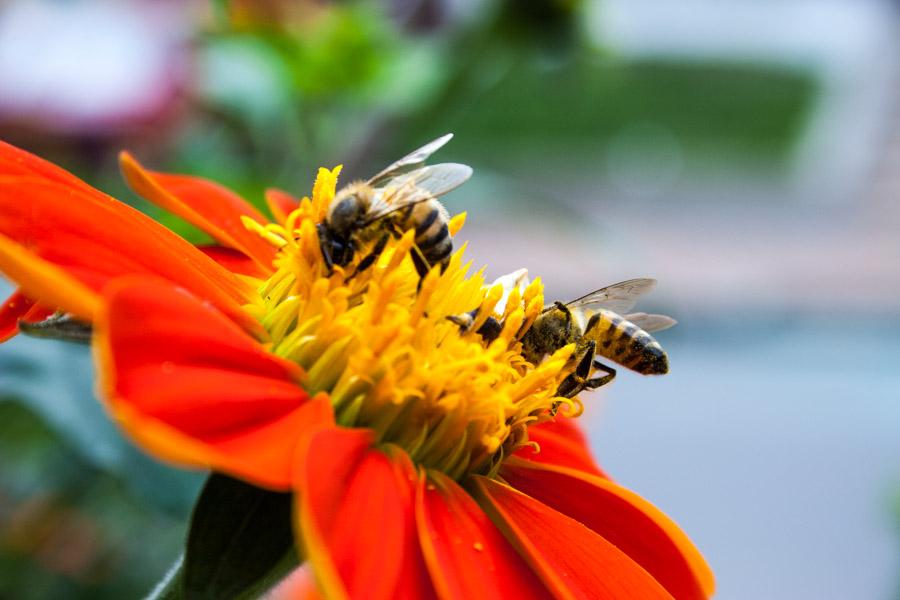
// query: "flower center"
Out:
[379,342]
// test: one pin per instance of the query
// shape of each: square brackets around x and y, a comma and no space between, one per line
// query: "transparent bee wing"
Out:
[411,161]
[418,186]
[619,297]
[436,180]
[651,323]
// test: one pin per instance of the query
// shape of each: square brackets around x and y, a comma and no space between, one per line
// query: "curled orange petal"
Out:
[39,278]
[96,238]
[355,518]
[191,386]
[465,553]
[573,561]
[204,204]
[234,260]
[622,517]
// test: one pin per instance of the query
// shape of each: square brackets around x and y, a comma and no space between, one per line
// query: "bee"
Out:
[401,197]
[491,328]
[594,323]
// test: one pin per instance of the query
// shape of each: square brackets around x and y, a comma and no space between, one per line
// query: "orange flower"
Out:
[425,461]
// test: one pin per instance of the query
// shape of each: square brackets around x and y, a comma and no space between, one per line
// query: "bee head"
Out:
[346,214]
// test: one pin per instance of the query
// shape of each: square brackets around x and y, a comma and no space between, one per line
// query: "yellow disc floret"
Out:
[380,344]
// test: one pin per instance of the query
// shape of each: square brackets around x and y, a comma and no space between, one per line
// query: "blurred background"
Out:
[745,153]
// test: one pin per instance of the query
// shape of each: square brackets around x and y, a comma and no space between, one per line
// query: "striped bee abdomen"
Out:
[624,342]
[433,239]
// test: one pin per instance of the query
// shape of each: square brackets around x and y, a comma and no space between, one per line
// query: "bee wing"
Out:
[418,186]
[651,323]
[411,161]
[619,297]
[435,180]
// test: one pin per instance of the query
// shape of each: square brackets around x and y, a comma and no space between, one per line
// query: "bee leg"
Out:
[491,330]
[420,262]
[463,321]
[594,383]
[371,257]
[568,315]
[565,310]
[578,380]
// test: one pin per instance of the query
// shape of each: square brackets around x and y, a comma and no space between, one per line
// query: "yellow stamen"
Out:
[379,342]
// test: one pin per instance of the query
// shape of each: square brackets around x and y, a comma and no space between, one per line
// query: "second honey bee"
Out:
[401,197]
[594,323]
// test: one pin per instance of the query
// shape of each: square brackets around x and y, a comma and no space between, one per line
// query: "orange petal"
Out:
[465,553]
[191,386]
[204,204]
[622,517]
[16,309]
[281,204]
[95,238]
[572,560]
[562,442]
[11,311]
[356,518]
[38,278]
[234,261]
[37,314]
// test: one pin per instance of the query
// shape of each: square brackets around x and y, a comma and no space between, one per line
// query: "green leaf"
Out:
[240,538]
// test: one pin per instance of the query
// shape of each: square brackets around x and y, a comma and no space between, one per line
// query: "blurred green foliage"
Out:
[69,529]
[83,513]
[349,85]
[571,113]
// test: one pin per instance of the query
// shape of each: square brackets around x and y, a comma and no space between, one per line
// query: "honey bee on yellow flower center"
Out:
[400,198]
[370,298]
